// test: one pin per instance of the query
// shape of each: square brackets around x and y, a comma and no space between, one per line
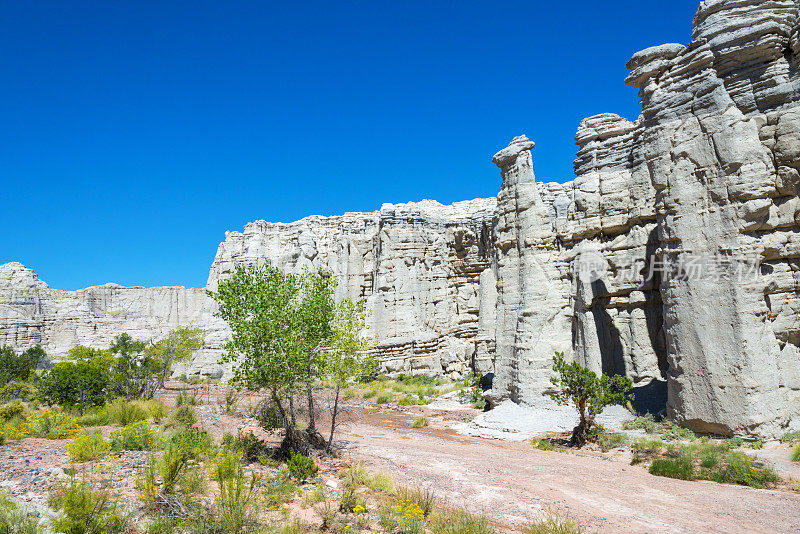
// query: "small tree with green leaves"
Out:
[279,326]
[177,347]
[589,393]
[346,357]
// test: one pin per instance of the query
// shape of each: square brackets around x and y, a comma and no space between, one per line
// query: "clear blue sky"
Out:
[135,133]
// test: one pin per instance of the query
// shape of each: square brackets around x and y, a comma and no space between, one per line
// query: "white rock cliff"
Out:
[673,256]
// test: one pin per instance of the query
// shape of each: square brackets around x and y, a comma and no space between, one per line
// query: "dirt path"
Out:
[513,481]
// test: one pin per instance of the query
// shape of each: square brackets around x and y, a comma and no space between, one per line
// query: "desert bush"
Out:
[185,398]
[193,441]
[757,444]
[82,508]
[642,422]
[86,447]
[739,468]
[676,432]
[236,497]
[301,467]
[11,411]
[405,517]
[355,475]
[15,390]
[610,440]
[351,502]
[458,521]
[547,444]
[181,417]
[268,415]
[589,393]
[95,416]
[381,482]
[553,523]
[424,499]
[51,424]
[280,489]
[82,383]
[156,410]
[139,436]
[470,392]
[735,442]
[383,398]
[681,468]
[13,519]
[231,399]
[123,412]
[421,422]
[796,454]
[789,437]
[249,445]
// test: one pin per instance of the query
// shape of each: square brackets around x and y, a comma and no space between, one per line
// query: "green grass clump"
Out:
[13,519]
[676,432]
[84,508]
[383,398]
[301,467]
[421,422]
[611,440]
[553,523]
[741,469]
[139,436]
[796,454]
[735,442]
[458,521]
[279,490]
[681,468]
[87,447]
[642,422]
[123,412]
[547,444]
[791,437]
[95,416]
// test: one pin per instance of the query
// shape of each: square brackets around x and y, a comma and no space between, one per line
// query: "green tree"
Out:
[179,346]
[346,357]
[281,325]
[19,367]
[133,371]
[588,392]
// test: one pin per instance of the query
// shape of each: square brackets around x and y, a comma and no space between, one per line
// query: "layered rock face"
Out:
[672,257]
[32,314]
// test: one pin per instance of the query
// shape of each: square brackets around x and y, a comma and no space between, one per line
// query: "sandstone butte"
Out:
[601,267]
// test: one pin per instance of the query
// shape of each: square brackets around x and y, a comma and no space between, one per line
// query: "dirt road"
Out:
[513,481]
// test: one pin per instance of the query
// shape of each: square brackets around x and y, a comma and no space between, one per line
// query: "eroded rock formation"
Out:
[672,257]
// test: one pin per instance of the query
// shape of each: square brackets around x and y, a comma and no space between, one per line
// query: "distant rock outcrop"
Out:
[673,256]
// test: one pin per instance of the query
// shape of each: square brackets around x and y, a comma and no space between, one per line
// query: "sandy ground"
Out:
[513,481]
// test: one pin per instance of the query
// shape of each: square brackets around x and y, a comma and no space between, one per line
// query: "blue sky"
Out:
[135,133]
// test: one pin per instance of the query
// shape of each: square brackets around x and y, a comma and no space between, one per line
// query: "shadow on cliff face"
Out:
[654,310]
[608,336]
[651,398]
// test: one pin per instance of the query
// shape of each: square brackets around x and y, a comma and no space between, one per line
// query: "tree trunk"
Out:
[581,432]
[312,424]
[333,418]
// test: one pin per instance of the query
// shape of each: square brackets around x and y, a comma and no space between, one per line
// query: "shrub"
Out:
[421,422]
[195,442]
[53,425]
[183,416]
[546,444]
[642,422]
[381,482]
[735,442]
[789,437]
[249,445]
[741,469]
[676,432]
[185,398]
[235,500]
[156,410]
[757,444]
[424,499]
[11,411]
[231,399]
[459,521]
[95,416]
[268,415]
[383,398]
[13,519]
[470,392]
[84,509]
[123,412]
[350,501]
[610,440]
[82,383]
[280,489]
[588,392]
[681,468]
[22,391]
[553,523]
[139,436]
[87,447]
[301,467]
[796,454]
